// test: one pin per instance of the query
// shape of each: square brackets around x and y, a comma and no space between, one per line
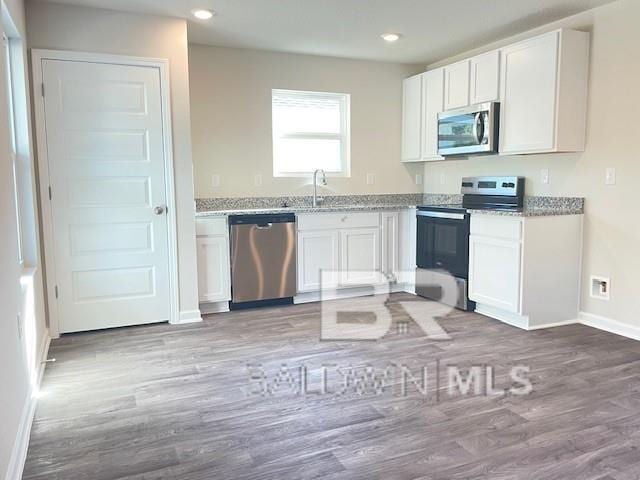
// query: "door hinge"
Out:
[50,196]
[56,290]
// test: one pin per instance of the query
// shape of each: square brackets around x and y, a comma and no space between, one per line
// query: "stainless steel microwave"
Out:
[469,130]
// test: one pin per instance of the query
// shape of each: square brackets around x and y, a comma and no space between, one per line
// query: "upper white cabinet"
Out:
[544,93]
[456,85]
[432,105]
[423,100]
[412,119]
[485,78]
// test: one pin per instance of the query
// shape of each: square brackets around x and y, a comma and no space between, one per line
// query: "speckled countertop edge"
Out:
[534,206]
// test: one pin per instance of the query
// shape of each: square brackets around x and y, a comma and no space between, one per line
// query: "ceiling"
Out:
[431,29]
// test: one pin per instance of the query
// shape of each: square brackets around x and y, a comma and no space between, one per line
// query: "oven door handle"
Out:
[451,216]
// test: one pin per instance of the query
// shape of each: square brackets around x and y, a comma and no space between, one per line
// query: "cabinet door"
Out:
[360,256]
[485,77]
[529,80]
[213,269]
[390,247]
[494,272]
[411,118]
[433,103]
[456,85]
[317,251]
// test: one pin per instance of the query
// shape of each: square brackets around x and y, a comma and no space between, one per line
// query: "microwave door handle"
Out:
[475,125]
[479,127]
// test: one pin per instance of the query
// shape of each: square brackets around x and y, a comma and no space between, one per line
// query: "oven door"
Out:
[443,242]
[468,130]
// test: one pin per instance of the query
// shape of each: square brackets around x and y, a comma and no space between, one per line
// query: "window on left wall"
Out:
[310,131]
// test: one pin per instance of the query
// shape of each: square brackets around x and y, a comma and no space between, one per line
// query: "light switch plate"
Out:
[443,179]
[610,176]
[257,180]
[418,179]
[371,178]
[215,180]
[544,175]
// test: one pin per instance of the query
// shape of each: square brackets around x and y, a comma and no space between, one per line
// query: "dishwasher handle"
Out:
[263,226]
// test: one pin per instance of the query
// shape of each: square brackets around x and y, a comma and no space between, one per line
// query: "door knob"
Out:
[159,210]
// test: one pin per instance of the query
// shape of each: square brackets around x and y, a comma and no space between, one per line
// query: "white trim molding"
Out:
[21,444]
[37,56]
[188,316]
[610,325]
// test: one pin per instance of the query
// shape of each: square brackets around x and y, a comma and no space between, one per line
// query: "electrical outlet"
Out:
[215,180]
[443,179]
[610,176]
[257,180]
[418,179]
[544,175]
[371,178]
[600,287]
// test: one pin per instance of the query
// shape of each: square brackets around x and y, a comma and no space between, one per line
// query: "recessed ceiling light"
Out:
[202,13]
[390,37]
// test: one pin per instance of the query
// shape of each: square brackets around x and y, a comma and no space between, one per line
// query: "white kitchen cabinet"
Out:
[485,78]
[456,85]
[412,119]
[543,93]
[360,256]
[522,274]
[390,245]
[488,284]
[317,251]
[432,105]
[214,271]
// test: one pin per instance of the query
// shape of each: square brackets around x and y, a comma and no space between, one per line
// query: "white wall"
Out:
[231,119]
[612,232]
[64,27]
[21,290]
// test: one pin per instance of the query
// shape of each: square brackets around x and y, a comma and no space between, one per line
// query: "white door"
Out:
[214,284]
[317,252]
[456,85]
[360,257]
[485,77]
[494,272]
[106,156]
[433,102]
[528,83]
[411,118]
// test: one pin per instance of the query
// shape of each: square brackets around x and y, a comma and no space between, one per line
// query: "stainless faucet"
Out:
[316,200]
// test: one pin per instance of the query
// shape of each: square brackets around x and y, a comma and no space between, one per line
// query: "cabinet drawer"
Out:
[211,226]
[333,220]
[496,226]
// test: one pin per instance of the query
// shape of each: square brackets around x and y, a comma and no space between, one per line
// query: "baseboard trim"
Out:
[214,307]
[609,325]
[348,292]
[188,316]
[563,323]
[21,444]
[513,319]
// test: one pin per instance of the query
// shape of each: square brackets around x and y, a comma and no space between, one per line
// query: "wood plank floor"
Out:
[177,402]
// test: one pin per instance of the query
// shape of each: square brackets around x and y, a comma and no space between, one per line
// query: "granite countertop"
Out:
[302,209]
[534,206]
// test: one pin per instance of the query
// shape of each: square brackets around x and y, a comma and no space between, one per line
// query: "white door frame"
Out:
[37,56]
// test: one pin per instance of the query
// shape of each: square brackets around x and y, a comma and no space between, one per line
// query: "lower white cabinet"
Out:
[362,248]
[214,276]
[317,251]
[525,271]
[494,272]
[360,256]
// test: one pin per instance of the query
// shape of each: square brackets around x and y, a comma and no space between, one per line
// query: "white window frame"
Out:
[344,136]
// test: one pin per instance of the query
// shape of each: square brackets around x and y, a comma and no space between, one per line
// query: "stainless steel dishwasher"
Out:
[263,259]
